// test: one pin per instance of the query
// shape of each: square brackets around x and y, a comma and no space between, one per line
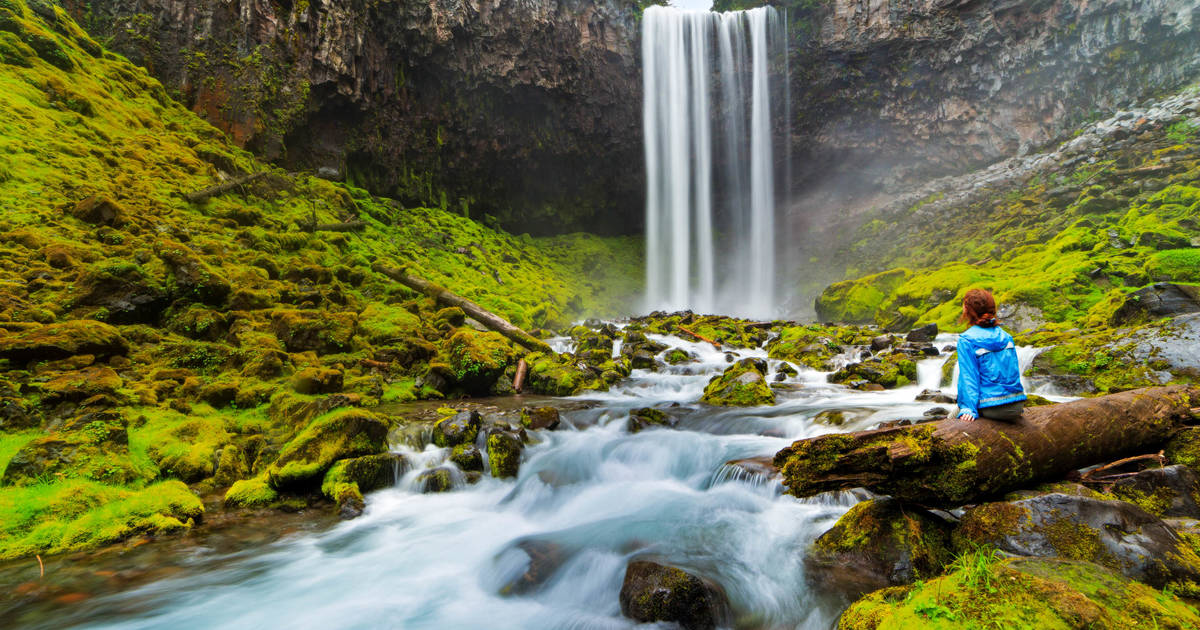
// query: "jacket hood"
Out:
[990,339]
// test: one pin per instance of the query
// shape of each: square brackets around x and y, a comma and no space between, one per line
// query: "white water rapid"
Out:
[591,495]
[708,80]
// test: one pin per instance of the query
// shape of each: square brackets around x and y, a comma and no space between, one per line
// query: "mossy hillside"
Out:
[1021,593]
[1062,243]
[205,311]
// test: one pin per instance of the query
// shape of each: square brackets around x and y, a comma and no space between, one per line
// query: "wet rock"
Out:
[677,356]
[545,557]
[831,417]
[888,371]
[60,341]
[1114,534]
[99,210]
[642,360]
[756,468]
[647,417]
[933,395]
[743,384]
[317,380]
[878,543]
[1184,448]
[435,480]
[17,414]
[461,428]
[1170,491]
[924,334]
[1164,299]
[504,454]
[881,342]
[467,458]
[936,413]
[540,418]
[345,434]
[948,369]
[653,592]
[786,370]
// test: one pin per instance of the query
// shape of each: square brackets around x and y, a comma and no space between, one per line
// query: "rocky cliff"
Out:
[515,107]
[889,93]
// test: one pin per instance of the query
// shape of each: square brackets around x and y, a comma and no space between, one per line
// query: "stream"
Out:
[590,492]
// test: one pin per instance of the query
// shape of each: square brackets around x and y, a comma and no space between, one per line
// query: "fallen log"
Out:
[701,338]
[220,189]
[444,297]
[345,226]
[519,377]
[953,462]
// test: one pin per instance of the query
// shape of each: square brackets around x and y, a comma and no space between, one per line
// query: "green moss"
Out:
[340,434]
[73,515]
[250,493]
[1021,593]
[856,301]
[504,454]
[744,384]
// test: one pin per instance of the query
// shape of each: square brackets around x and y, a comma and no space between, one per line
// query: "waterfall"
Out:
[710,225]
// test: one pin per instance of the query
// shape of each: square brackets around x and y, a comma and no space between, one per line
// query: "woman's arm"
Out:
[968,379]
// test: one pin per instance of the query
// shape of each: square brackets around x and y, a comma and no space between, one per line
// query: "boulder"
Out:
[887,371]
[881,342]
[1170,491]
[878,543]
[744,384]
[317,380]
[676,356]
[1115,534]
[461,428]
[127,293]
[653,592]
[545,557]
[342,434]
[99,210]
[504,454]
[435,480]
[60,341]
[933,395]
[923,334]
[540,418]
[647,417]
[1164,299]
[1184,448]
[986,592]
[83,385]
[467,458]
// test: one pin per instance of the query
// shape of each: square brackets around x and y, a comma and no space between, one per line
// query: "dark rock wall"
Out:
[890,93]
[528,110]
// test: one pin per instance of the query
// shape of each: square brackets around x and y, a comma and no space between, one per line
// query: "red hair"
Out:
[979,308]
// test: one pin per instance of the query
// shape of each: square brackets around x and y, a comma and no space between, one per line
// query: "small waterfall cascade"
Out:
[715,85]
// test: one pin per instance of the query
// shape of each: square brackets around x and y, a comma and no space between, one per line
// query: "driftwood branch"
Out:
[1095,472]
[444,297]
[346,226]
[220,189]
[700,337]
[519,377]
[953,462]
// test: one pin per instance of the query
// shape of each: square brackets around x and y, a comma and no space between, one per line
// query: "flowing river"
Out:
[591,492]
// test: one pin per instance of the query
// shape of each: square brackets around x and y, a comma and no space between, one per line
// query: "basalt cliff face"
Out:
[528,110]
[889,93]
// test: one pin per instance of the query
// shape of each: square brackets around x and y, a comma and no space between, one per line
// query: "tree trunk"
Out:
[220,189]
[953,462]
[446,298]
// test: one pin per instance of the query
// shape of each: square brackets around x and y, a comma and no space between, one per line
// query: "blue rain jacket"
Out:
[988,373]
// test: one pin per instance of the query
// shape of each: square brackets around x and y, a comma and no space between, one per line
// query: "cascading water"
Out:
[710,227]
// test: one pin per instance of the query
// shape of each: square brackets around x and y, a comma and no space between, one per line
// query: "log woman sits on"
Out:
[989,378]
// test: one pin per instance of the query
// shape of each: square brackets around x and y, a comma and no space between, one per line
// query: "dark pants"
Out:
[1006,412]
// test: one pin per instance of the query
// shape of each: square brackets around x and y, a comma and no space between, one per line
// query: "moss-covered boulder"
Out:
[540,418]
[82,385]
[744,384]
[646,417]
[504,454]
[436,480]
[474,361]
[320,332]
[888,371]
[460,428]
[342,434]
[91,446]
[348,479]
[560,375]
[251,493]
[1184,448]
[467,458]
[678,356]
[1042,593]
[1114,534]
[318,380]
[59,341]
[1168,491]
[816,345]
[653,592]
[878,543]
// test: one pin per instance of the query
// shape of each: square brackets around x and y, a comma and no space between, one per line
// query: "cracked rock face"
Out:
[528,110]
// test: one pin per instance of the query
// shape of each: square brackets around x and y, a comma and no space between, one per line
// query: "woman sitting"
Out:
[989,378]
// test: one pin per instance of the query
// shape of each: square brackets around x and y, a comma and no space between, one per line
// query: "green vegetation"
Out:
[1020,593]
[156,341]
